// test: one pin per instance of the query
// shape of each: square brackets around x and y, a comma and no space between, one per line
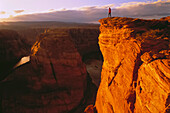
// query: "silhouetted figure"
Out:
[109,14]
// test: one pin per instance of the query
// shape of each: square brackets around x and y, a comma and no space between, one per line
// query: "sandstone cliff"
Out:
[135,76]
[54,81]
[166,18]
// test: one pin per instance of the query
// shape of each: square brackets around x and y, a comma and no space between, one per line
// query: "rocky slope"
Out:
[54,81]
[12,49]
[29,35]
[135,75]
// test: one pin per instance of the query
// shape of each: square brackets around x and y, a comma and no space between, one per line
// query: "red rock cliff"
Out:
[135,76]
[54,81]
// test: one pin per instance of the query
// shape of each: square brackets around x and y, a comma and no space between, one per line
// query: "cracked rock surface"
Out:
[135,75]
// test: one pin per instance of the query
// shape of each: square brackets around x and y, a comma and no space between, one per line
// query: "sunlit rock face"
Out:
[166,18]
[135,76]
[54,81]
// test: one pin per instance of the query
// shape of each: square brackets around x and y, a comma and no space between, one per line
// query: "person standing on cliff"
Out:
[109,14]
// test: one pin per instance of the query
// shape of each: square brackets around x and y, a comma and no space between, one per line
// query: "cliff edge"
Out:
[135,75]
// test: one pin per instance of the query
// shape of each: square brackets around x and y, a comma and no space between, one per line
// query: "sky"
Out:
[86,11]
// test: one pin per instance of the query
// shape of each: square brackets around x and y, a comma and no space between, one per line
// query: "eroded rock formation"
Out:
[135,75]
[54,81]
[12,49]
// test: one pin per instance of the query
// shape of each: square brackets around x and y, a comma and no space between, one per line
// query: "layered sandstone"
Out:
[54,81]
[135,76]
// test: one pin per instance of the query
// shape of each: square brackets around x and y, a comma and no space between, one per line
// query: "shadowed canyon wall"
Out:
[54,81]
[135,75]
[85,39]
[12,49]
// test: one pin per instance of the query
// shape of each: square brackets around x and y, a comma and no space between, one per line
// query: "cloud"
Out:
[109,5]
[2,12]
[65,16]
[18,11]
[146,10]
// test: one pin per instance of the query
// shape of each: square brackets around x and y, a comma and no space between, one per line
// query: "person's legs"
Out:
[109,15]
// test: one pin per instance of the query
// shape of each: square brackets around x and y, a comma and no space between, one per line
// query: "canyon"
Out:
[54,67]
[135,75]
[54,78]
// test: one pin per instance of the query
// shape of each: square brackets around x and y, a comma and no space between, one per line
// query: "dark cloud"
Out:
[93,14]
[2,12]
[18,11]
